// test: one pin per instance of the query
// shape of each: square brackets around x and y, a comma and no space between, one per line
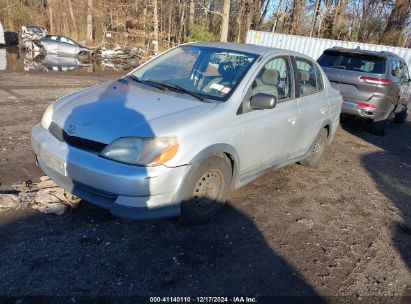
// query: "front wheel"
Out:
[207,190]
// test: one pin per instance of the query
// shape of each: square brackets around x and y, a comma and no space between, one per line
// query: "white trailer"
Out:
[2,41]
[314,47]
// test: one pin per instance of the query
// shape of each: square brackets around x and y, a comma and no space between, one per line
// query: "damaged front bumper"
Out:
[127,191]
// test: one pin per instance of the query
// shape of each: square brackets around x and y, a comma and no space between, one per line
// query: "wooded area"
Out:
[159,24]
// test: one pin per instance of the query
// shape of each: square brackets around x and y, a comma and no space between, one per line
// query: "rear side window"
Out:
[307,73]
[353,62]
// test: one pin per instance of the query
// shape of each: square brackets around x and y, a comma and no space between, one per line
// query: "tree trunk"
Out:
[182,17]
[51,20]
[89,36]
[397,21]
[225,21]
[170,8]
[155,42]
[276,14]
[315,15]
[73,20]
[249,13]
[239,20]
[192,11]
[261,19]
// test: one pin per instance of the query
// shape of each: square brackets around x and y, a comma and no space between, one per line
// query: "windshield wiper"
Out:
[146,82]
[135,78]
[176,87]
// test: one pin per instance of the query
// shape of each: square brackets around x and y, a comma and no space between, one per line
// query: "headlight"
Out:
[142,151]
[47,117]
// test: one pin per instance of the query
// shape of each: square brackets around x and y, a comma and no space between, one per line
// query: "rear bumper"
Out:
[127,191]
[351,108]
[383,108]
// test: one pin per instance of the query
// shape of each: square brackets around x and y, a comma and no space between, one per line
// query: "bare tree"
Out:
[225,21]
[73,20]
[192,11]
[397,21]
[51,20]
[155,26]
[89,35]
[315,15]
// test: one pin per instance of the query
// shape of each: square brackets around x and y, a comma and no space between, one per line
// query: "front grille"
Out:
[74,141]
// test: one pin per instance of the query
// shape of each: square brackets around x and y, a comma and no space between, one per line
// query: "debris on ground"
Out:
[30,36]
[120,58]
[44,196]
[306,223]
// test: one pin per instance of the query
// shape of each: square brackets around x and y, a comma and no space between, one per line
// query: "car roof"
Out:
[240,47]
[382,54]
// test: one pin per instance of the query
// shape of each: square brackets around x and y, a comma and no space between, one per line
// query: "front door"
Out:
[268,135]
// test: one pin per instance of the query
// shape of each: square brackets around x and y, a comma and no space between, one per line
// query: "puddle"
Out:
[13,59]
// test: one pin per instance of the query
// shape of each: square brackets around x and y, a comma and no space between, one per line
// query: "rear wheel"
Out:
[207,190]
[381,127]
[316,150]
[401,117]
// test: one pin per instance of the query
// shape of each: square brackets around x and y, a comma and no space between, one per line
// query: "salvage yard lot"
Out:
[341,229]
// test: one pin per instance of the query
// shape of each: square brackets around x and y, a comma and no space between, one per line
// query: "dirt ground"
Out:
[341,232]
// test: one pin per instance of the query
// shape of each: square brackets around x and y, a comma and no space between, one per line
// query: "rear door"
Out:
[51,43]
[67,46]
[312,101]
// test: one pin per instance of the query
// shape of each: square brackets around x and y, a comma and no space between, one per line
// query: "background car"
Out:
[374,85]
[62,45]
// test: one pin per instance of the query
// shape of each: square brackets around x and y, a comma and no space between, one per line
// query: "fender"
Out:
[331,130]
[219,148]
[194,163]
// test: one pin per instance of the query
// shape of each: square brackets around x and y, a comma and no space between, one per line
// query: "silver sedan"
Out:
[175,135]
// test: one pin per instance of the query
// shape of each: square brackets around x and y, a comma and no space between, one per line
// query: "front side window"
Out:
[307,74]
[274,79]
[211,72]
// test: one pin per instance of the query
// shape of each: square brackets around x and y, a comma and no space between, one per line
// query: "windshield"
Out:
[353,62]
[210,72]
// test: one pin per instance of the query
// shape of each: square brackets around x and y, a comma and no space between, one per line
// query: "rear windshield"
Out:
[353,62]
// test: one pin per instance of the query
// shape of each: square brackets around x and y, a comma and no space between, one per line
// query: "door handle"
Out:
[292,120]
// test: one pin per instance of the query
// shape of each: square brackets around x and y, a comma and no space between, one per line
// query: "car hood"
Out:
[123,108]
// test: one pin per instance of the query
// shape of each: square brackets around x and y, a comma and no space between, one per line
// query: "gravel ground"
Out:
[341,232]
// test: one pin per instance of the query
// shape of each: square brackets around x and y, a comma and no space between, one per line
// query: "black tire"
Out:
[206,190]
[401,117]
[381,127]
[316,150]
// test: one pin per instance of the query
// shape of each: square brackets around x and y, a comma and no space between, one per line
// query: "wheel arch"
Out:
[223,149]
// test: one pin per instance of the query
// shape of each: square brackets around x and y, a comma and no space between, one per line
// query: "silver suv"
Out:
[176,134]
[374,85]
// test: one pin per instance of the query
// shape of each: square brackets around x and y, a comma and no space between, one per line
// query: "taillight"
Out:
[365,105]
[375,80]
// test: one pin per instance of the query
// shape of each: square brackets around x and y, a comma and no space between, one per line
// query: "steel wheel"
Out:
[208,190]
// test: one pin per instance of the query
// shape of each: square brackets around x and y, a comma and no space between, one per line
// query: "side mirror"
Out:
[263,101]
